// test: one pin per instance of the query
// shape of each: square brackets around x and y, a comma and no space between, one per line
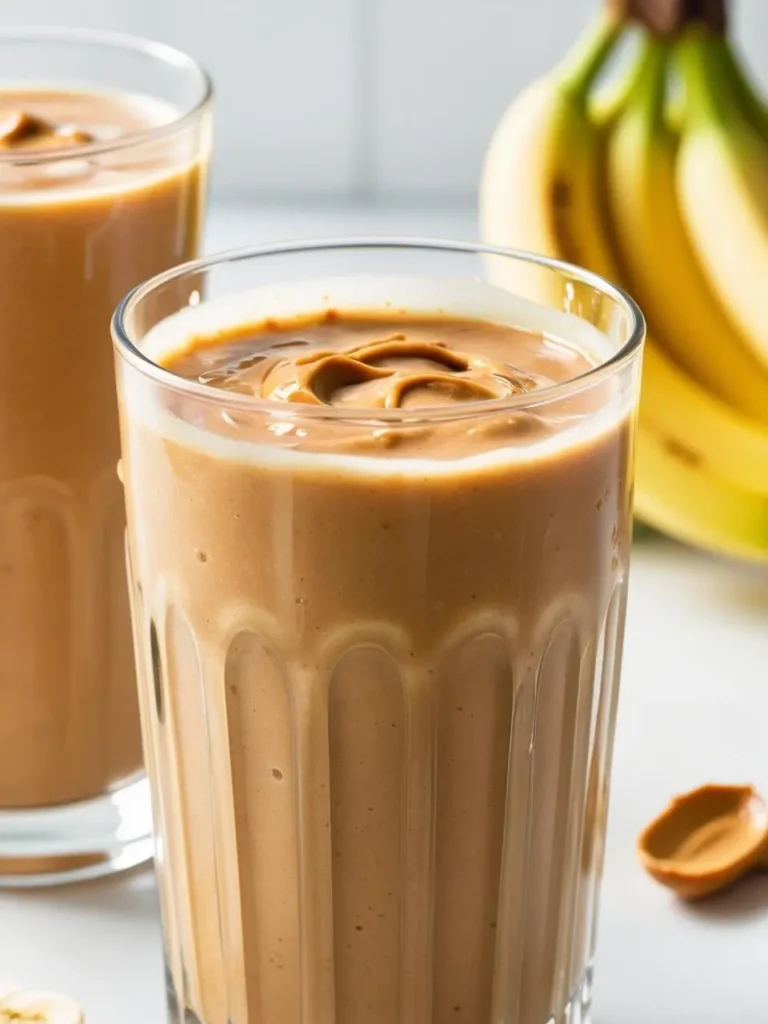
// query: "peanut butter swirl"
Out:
[24,130]
[379,363]
[393,373]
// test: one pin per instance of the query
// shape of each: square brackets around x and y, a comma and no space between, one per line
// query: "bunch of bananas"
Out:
[661,185]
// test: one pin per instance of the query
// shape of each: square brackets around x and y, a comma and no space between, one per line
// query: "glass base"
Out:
[579,1007]
[57,845]
[578,1010]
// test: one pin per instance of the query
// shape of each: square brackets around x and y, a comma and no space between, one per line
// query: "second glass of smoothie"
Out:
[104,145]
[379,506]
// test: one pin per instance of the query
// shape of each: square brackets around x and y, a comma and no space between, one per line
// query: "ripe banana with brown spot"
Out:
[543,189]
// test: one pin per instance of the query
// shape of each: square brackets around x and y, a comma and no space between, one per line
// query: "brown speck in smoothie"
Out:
[277,774]
[201,556]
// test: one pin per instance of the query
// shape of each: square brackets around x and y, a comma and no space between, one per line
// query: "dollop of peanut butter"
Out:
[376,362]
[23,130]
[393,373]
[706,839]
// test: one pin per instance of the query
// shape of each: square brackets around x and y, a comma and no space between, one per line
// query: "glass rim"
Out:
[128,350]
[161,53]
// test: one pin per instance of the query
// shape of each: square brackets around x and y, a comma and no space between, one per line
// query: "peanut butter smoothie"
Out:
[97,191]
[379,567]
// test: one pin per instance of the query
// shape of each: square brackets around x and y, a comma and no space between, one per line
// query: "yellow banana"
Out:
[660,267]
[695,507]
[541,190]
[533,193]
[698,426]
[721,186]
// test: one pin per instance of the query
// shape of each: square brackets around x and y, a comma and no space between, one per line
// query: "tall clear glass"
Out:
[104,144]
[378,688]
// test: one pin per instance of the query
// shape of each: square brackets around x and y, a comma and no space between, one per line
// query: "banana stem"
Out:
[712,13]
[702,58]
[650,76]
[586,60]
[668,17]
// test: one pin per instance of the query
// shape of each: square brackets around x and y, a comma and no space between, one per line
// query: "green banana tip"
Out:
[701,57]
[592,50]
[642,84]
[699,47]
[648,74]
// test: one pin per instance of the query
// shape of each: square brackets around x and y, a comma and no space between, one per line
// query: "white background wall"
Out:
[364,99]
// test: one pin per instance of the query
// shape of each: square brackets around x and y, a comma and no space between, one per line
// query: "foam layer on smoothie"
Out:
[424,295]
[47,137]
[519,427]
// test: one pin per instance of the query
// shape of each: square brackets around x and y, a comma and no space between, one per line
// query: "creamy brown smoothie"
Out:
[79,225]
[379,679]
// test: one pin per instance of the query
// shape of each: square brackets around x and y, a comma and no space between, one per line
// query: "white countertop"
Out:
[693,709]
